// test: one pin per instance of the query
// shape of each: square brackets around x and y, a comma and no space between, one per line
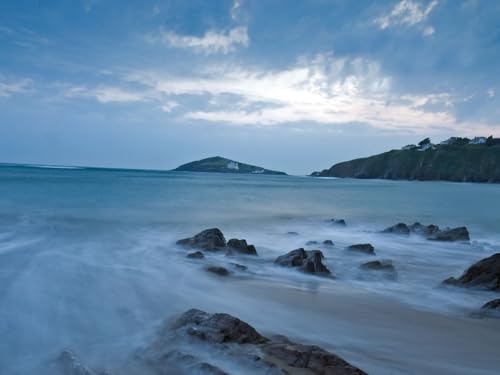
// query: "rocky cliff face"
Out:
[223,165]
[451,162]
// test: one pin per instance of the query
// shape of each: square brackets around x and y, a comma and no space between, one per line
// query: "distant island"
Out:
[456,159]
[223,165]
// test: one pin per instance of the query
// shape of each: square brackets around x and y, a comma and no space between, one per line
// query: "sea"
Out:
[89,263]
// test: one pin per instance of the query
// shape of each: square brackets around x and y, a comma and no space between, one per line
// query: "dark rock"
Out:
[492,305]
[221,271]
[209,239]
[310,243]
[424,230]
[365,248]
[328,243]
[339,222]
[378,265]
[484,274]
[309,357]
[240,267]
[400,228]
[196,255]
[218,328]
[241,246]
[208,369]
[453,234]
[293,233]
[306,261]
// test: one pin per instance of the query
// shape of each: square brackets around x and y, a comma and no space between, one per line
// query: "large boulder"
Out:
[400,228]
[218,328]
[364,248]
[312,358]
[209,239]
[453,234]
[484,274]
[308,261]
[241,246]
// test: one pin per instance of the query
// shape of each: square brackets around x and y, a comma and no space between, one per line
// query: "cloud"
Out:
[322,90]
[169,106]
[106,94]
[491,93]
[235,9]
[211,42]
[408,13]
[9,88]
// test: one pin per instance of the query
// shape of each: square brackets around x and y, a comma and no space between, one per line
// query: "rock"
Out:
[424,230]
[310,243]
[453,234]
[492,305]
[484,274]
[400,228]
[384,266]
[339,222]
[218,328]
[309,357]
[306,261]
[365,248]
[209,239]
[240,267]
[241,246]
[293,233]
[196,255]
[328,243]
[221,271]
[378,265]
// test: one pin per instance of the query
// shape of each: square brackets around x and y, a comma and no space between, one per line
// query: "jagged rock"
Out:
[339,222]
[328,243]
[218,328]
[484,274]
[453,234]
[196,255]
[308,261]
[310,243]
[400,228]
[310,357]
[241,246]
[365,248]
[221,271]
[209,239]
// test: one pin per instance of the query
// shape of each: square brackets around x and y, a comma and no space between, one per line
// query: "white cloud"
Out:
[9,88]
[211,42]
[491,93]
[235,8]
[408,13]
[323,90]
[169,106]
[106,94]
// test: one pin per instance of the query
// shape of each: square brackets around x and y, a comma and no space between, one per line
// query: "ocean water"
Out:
[88,261]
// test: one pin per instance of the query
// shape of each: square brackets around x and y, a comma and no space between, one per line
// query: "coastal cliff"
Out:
[457,159]
[223,165]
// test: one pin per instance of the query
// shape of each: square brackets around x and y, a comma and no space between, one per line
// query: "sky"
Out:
[288,85]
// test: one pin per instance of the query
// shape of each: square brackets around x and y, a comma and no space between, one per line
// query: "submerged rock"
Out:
[292,233]
[308,261]
[241,246]
[195,255]
[484,274]
[400,228]
[240,267]
[453,234]
[365,248]
[218,270]
[339,222]
[310,357]
[328,243]
[385,266]
[209,239]
[310,243]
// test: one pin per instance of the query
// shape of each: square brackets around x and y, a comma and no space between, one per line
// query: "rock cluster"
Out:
[308,261]
[431,232]
[213,240]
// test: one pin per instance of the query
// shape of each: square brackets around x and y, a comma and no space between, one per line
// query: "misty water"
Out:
[88,262]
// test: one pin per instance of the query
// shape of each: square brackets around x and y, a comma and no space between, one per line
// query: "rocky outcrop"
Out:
[241,246]
[222,165]
[213,240]
[431,232]
[309,357]
[364,248]
[209,239]
[484,274]
[195,255]
[308,261]
[460,162]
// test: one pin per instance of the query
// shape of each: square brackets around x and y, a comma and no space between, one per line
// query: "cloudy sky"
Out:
[289,85]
